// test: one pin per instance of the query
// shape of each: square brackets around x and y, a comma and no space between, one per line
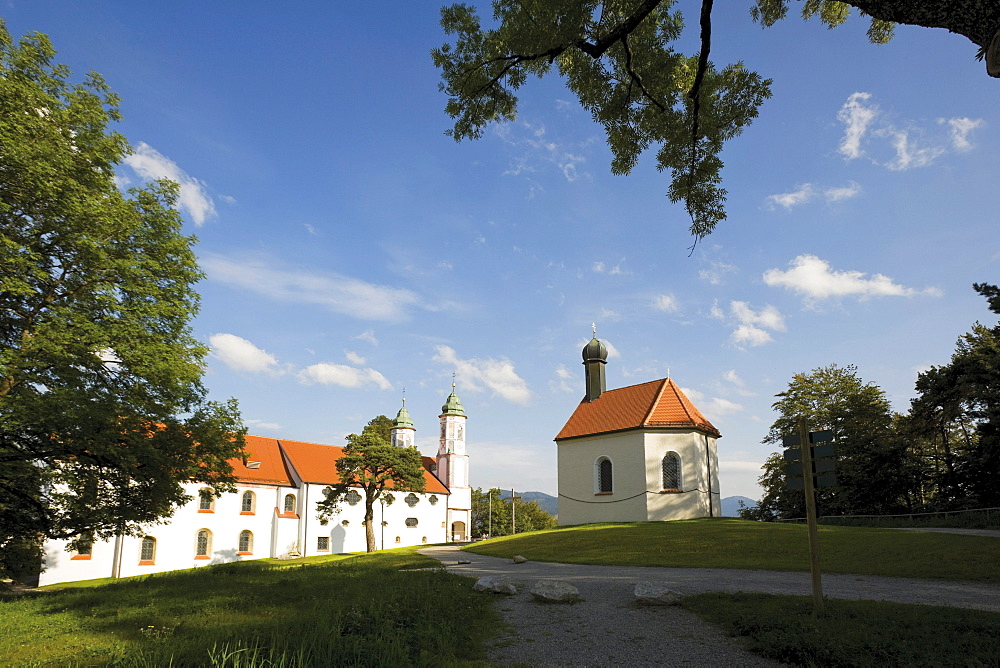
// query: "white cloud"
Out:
[808,192]
[563,373]
[240,355]
[561,383]
[666,303]
[716,272]
[750,326]
[496,374]
[369,336]
[908,154]
[600,267]
[960,129]
[607,315]
[719,406]
[536,149]
[261,424]
[327,373]
[815,279]
[338,293]
[856,116]
[354,358]
[150,165]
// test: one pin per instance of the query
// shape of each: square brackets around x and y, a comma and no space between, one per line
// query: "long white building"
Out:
[273,511]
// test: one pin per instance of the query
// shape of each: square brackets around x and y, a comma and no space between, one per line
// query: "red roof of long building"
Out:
[658,403]
[313,462]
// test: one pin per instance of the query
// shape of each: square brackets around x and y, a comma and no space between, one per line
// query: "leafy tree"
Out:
[958,413]
[491,514]
[618,57]
[371,463]
[102,410]
[871,475]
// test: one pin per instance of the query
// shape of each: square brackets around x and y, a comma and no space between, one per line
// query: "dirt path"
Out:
[608,629]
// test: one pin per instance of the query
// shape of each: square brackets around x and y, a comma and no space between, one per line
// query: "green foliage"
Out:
[618,58]
[101,402]
[871,476]
[758,546]
[359,610]
[491,514]
[830,12]
[853,633]
[371,463]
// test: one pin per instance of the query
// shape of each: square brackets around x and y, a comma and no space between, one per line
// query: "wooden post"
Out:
[807,477]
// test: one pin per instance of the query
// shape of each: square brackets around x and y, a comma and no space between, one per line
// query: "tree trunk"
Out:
[369,521]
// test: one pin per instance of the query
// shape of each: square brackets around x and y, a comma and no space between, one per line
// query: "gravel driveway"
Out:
[608,629]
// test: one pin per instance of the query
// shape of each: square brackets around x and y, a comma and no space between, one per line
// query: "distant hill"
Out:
[549,503]
[731,505]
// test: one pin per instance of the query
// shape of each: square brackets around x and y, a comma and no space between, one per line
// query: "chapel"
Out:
[273,511]
[637,453]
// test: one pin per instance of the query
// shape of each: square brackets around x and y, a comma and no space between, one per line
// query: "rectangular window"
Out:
[323,544]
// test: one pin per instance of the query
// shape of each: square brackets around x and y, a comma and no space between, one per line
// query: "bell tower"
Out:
[595,356]
[453,467]
[403,430]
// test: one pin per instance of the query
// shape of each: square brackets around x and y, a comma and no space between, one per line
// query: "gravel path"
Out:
[608,629]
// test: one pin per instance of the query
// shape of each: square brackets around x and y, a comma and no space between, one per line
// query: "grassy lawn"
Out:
[339,610]
[733,543]
[854,633]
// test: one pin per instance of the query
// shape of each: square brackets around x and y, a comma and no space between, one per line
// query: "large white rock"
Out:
[555,591]
[655,593]
[495,584]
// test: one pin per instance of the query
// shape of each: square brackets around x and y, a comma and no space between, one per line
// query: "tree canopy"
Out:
[491,514]
[372,464]
[102,410]
[619,58]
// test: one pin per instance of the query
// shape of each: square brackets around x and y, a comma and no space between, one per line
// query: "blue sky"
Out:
[353,250]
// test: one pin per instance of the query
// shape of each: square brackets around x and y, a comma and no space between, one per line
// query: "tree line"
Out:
[942,454]
[491,514]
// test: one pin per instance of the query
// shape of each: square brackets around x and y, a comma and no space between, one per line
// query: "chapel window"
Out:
[388,498]
[249,502]
[206,500]
[289,503]
[412,499]
[203,543]
[322,543]
[433,500]
[147,550]
[246,542]
[411,522]
[605,480]
[353,497]
[671,471]
[84,546]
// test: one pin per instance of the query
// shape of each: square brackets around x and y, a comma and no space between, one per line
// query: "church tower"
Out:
[595,356]
[453,467]
[403,430]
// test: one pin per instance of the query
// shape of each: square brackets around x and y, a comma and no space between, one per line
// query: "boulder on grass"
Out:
[495,584]
[518,559]
[656,593]
[555,591]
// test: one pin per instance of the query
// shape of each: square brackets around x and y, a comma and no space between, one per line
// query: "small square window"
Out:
[323,544]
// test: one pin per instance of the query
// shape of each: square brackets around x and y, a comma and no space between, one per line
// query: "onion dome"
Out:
[403,420]
[452,406]
[595,351]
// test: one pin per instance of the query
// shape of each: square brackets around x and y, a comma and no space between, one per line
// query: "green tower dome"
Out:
[452,406]
[595,350]
[403,420]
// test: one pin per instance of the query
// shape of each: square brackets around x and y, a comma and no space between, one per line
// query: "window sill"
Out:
[603,493]
[671,491]
[202,510]
[147,563]
[243,554]
[79,557]
[327,550]
[201,557]
[244,512]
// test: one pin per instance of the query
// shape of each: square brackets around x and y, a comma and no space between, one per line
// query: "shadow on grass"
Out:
[355,610]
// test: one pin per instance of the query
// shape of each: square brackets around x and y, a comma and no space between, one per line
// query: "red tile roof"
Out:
[272,468]
[658,403]
[317,463]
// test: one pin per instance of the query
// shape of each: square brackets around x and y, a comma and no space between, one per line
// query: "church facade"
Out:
[273,511]
[637,453]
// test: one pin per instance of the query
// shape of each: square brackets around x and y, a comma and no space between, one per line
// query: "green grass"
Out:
[854,633]
[732,543]
[339,610]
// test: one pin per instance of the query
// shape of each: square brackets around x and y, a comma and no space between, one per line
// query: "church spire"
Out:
[595,356]
[402,427]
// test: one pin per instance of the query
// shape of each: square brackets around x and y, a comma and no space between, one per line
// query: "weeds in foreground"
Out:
[359,610]
[854,633]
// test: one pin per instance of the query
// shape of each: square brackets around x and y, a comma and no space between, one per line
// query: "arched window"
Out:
[246,542]
[147,551]
[203,544]
[249,502]
[605,479]
[671,471]
[289,503]
[206,500]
